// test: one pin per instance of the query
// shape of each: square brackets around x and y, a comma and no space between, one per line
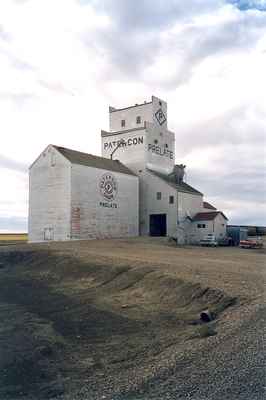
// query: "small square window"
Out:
[160,103]
[138,119]
[166,145]
[123,123]
[171,199]
[201,225]
[156,141]
[159,195]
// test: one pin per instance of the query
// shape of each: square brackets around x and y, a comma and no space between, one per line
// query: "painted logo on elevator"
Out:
[161,118]
[108,186]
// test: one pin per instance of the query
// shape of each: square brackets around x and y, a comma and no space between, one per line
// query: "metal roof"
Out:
[208,205]
[113,109]
[139,128]
[89,160]
[208,216]
[180,187]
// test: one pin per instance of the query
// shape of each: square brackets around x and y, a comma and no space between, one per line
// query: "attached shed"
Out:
[75,195]
[214,222]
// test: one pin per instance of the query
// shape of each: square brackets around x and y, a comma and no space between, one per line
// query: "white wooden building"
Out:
[69,191]
[75,195]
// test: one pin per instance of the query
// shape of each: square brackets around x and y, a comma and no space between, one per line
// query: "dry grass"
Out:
[6,238]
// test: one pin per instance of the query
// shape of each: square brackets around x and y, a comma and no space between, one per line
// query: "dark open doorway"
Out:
[158,224]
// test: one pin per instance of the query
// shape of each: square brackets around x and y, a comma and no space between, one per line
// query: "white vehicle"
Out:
[209,240]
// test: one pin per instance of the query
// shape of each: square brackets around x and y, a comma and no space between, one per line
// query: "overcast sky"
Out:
[63,62]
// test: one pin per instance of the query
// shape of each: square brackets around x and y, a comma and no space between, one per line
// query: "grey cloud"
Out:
[195,43]
[237,181]
[253,217]
[8,163]
[55,86]
[231,185]
[133,42]
[150,15]
[18,98]
[17,62]
[4,35]
[13,223]
[234,127]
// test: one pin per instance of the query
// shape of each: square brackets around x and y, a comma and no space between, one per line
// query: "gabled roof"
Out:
[208,205]
[89,160]
[180,187]
[208,216]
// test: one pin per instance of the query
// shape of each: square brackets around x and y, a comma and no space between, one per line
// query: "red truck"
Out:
[251,244]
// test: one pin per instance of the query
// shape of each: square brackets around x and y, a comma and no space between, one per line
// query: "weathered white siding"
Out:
[89,218]
[149,186]
[49,197]
[188,205]
[160,149]
[148,144]
[132,154]
[146,111]
[129,115]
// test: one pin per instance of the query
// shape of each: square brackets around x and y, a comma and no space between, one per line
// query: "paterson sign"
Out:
[124,143]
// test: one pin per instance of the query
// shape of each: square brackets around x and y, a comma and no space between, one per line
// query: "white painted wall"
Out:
[160,149]
[49,196]
[149,186]
[96,221]
[157,151]
[216,227]
[132,154]
[189,205]
[129,115]
[146,111]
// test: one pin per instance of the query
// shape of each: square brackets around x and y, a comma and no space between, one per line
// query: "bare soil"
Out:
[118,319]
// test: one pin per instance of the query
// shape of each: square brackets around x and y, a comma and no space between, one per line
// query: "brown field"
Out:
[119,319]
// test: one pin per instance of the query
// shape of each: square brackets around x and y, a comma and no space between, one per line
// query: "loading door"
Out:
[158,224]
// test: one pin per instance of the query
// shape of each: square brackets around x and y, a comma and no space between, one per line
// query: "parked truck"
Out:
[209,240]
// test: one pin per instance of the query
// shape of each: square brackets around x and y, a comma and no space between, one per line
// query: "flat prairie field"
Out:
[121,320]
[6,238]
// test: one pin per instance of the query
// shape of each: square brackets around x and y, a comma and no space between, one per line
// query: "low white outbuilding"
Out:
[211,222]
[75,195]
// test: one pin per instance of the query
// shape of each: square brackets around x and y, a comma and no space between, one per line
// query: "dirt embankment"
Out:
[80,328]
